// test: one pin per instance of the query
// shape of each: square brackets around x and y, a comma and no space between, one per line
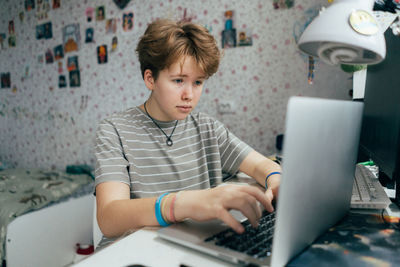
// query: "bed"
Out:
[32,200]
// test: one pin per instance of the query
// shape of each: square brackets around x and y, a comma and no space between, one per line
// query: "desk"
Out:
[144,247]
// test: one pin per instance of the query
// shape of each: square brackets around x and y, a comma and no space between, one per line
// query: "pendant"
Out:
[169,142]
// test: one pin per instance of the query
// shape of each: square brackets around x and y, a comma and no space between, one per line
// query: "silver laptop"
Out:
[319,156]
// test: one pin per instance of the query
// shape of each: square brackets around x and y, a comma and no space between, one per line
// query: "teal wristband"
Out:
[159,217]
[266,179]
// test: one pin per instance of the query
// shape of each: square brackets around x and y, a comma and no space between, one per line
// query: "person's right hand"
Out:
[215,203]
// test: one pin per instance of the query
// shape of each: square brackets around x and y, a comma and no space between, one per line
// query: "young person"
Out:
[160,162]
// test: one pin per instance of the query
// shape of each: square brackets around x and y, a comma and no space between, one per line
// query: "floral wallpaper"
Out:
[51,99]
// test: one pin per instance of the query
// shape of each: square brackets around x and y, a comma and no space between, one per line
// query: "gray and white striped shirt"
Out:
[131,149]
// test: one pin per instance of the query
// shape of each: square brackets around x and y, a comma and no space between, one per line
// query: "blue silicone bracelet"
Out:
[159,217]
[266,179]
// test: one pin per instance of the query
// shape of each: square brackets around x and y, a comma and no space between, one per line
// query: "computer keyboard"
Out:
[256,242]
[368,192]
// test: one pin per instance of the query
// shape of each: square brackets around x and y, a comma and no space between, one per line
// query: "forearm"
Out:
[259,167]
[119,216]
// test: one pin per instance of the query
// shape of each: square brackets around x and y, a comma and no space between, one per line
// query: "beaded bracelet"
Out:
[159,216]
[266,179]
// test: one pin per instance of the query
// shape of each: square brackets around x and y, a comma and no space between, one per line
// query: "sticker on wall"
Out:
[245,38]
[114,44]
[121,3]
[89,14]
[72,63]
[127,21]
[71,37]
[100,13]
[58,52]
[282,4]
[49,56]
[5,80]
[29,5]
[2,39]
[102,54]
[229,33]
[111,26]
[62,82]
[89,34]
[74,78]
[44,31]
[56,4]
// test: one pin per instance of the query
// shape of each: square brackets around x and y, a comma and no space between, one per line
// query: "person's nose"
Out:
[187,94]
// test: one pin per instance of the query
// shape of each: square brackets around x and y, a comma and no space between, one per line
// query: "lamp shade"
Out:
[345,33]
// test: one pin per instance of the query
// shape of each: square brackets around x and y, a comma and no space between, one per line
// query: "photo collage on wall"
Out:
[65,54]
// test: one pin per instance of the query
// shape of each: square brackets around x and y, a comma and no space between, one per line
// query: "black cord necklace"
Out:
[169,140]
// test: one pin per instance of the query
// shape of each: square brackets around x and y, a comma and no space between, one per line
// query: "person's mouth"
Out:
[185,108]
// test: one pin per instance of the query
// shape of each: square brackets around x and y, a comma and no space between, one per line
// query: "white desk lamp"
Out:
[345,33]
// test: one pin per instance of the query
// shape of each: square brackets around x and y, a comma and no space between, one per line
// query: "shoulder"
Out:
[129,116]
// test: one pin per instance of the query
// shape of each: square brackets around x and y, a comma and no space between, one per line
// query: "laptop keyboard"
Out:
[256,242]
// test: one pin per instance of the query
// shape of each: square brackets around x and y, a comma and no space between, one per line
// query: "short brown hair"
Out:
[165,42]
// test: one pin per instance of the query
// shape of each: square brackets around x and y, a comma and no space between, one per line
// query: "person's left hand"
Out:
[272,191]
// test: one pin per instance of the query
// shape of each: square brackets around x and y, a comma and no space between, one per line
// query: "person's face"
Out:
[176,91]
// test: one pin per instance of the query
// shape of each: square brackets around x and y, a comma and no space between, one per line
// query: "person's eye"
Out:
[198,83]
[178,81]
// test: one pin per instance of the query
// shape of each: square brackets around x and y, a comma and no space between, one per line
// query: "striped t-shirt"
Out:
[131,149]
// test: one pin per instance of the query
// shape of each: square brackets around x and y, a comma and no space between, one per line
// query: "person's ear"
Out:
[148,79]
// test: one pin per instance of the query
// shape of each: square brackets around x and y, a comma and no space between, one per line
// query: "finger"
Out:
[252,212]
[227,218]
[258,195]
[270,196]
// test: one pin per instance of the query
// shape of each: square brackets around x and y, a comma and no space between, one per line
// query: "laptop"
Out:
[319,157]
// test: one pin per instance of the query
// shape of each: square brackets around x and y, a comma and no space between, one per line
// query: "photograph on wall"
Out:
[89,14]
[29,5]
[89,34]
[121,3]
[42,9]
[111,26]
[114,44]
[102,54]
[56,4]
[71,37]
[11,27]
[49,56]
[244,38]
[74,78]
[282,4]
[229,32]
[72,63]
[2,40]
[5,80]
[62,82]
[58,52]
[12,42]
[127,21]
[100,13]
[44,31]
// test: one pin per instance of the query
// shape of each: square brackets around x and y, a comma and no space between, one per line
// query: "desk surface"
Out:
[144,247]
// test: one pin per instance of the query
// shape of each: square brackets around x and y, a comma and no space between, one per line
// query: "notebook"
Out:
[320,150]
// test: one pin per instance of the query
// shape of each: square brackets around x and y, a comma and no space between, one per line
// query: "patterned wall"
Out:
[46,126]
